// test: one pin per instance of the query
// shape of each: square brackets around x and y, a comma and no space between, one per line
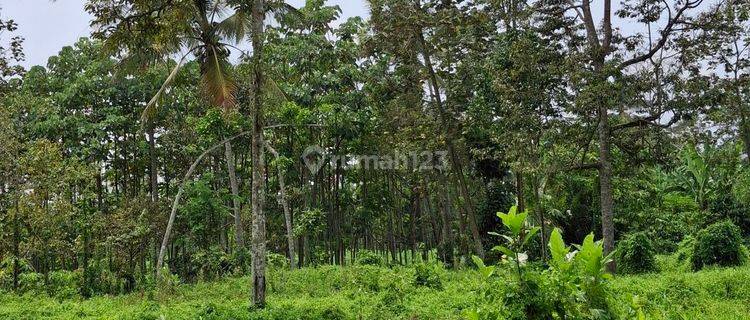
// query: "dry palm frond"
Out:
[217,82]
[150,110]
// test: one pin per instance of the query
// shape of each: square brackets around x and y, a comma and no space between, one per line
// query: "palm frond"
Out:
[235,27]
[216,80]
[150,110]
[274,90]
[219,10]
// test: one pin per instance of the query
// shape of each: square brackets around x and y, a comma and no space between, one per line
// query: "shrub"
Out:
[64,284]
[427,275]
[367,277]
[212,264]
[277,261]
[635,254]
[368,258]
[685,249]
[718,244]
[31,282]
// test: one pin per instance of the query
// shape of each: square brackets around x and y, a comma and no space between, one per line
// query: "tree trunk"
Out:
[180,191]
[605,185]
[744,127]
[153,174]
[745,135]
[258,270]
[537,198]
[446,241]
[16,252]
[284,202]
[599,51]
[239,233]
[455,160]
[519,190]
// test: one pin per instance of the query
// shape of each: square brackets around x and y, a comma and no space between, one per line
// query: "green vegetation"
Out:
[719,244]
[635,254]
[367,292]
[247,159]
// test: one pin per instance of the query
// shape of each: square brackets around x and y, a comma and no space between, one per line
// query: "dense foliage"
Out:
[635,254]
[719,244]
[355,292]
[358,168]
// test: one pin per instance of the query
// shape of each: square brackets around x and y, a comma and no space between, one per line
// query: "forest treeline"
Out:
[589,125]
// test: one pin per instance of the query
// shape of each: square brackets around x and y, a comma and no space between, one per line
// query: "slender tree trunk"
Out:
[537,198]
[599,51]
[455,160]
[744,126]
[239,231]
[413,216]
[99,190]
[153,171]
[605,184]
[180,191]
[16,252]
[431,215]
[447,232]
[463,246]
[390,233]
[418,207]
[745,134]
[258,269]
[284,202]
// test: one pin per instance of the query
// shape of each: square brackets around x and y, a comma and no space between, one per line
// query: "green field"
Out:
[367,292]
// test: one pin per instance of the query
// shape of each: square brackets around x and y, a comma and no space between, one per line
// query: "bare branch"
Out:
[665,33]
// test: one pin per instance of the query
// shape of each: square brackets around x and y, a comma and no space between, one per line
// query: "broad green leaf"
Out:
[513,221]
[505,251]
[557,248]
[486,271]
[478,261]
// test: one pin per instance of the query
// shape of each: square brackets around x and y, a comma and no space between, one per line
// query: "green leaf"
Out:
[590,255]
[478,261]
[514,222]
[532,232]
[505,251]
[486,271]
[557,248]
[472,315]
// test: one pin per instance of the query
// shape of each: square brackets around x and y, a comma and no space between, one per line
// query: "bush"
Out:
[427,275]
[685,249]
[64,284]
[31,282]
[277,261]
[719,244]
[212,264]
[635,254]
[368,258]
[680,260]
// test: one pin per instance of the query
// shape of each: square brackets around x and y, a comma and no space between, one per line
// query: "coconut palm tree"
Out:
[209,29]
[149,29]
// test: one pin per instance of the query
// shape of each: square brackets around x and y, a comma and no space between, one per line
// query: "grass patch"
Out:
[371,292]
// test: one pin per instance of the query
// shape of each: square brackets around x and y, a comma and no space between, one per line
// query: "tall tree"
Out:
[258,253]
[608,55]
[202,35]
[405,24]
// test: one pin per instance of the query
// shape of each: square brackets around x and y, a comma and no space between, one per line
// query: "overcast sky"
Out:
[48,26]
